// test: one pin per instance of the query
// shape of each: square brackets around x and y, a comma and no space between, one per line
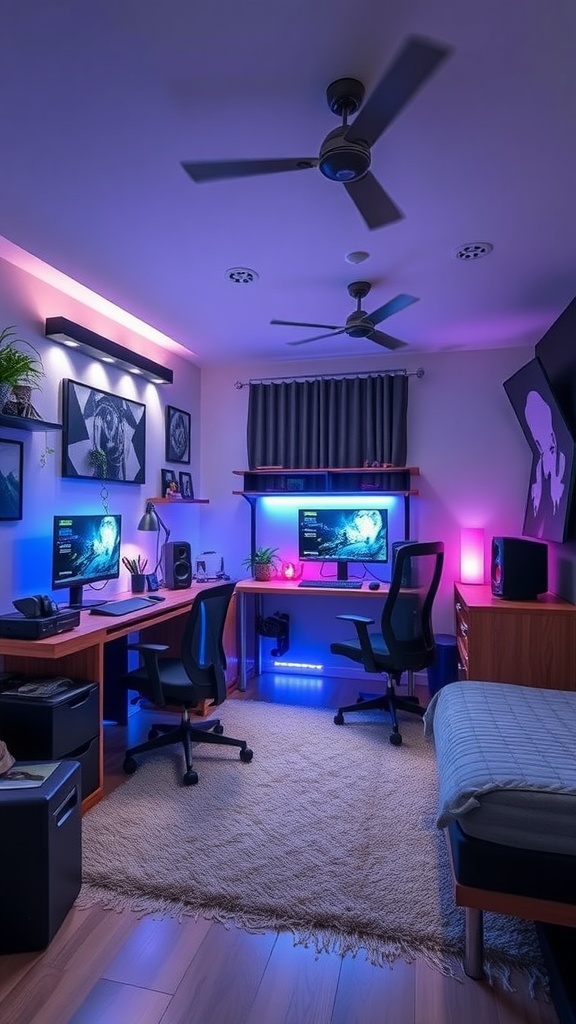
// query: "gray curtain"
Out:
[328,422]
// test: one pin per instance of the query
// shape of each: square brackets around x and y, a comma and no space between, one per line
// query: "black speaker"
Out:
[406,580]
[177,565]
[518,568]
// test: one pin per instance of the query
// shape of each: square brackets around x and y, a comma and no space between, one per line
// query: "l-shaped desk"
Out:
[80,653]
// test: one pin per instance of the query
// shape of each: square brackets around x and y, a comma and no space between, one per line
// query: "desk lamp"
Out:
[151,520]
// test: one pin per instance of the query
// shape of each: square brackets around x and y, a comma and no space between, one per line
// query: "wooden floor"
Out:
[109,968]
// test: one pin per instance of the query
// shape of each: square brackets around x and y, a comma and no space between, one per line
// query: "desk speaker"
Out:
[177,565]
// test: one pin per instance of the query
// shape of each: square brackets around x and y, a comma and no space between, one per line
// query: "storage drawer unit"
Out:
[531,643]
[65,725]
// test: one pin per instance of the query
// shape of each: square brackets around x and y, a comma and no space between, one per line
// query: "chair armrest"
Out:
[149,653]
[361,622]
[147,647]
[357,618]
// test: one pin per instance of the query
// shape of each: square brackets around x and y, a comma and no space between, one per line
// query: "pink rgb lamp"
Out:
[471,554]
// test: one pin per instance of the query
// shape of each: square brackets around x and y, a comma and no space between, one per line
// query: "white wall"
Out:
[26,545]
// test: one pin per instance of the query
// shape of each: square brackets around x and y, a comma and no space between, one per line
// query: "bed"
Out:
[507,800]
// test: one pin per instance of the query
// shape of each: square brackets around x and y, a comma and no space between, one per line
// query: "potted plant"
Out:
[262,563]
[20,364]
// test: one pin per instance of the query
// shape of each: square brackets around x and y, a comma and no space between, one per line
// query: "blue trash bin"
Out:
[445,666]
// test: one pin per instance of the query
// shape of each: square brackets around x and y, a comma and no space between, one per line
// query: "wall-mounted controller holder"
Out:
[277,626]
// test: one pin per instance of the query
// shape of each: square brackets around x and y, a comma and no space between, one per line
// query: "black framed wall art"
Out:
[177,435]
[552,446]
[104,436]
[186,488]
[11,479]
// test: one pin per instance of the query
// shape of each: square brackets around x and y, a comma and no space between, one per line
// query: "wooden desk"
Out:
[253,589]
[79,654]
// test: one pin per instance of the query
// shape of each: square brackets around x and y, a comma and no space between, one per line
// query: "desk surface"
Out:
[291,587]
[95,630]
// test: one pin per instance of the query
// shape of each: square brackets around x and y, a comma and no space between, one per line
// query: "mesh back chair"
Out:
[186,681]
[405,641]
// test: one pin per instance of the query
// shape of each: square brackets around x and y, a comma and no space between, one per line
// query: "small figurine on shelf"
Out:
[173,491]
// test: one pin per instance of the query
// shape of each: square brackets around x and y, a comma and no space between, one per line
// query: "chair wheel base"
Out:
[246,755]
[218,729]
[396,739]
[130,765]
[190,778]
[339,718]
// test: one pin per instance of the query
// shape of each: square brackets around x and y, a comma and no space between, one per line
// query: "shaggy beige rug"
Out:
[328,832]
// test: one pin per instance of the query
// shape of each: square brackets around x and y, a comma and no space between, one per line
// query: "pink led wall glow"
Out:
[471,554]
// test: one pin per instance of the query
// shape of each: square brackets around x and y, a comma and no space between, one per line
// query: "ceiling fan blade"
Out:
[386,340]
[297,323]
[389,308]
[217,170]
[373,203]
[305,341]
[417,60]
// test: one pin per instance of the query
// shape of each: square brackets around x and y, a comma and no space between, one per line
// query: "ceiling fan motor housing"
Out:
[358,325]
[341,159]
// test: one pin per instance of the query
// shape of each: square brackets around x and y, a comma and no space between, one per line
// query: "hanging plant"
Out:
[97,459]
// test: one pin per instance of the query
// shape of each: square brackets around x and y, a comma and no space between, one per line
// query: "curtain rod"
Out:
[239,384]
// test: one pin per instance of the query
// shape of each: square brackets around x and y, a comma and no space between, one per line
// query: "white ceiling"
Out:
[101,100]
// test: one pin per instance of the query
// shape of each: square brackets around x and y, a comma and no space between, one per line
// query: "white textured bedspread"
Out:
[492,737]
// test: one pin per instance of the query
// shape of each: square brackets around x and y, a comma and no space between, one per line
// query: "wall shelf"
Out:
[364,479]
[27,423]
[178,501]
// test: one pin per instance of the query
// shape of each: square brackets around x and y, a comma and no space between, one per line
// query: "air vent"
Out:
[242,275]
[473,250]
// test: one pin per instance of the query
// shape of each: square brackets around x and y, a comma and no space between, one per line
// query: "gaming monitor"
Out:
[85,549]
[343,535]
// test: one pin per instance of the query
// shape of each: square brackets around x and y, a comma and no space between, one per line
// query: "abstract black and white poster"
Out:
[177,435]
[552,446]
[104,436]
[11,479]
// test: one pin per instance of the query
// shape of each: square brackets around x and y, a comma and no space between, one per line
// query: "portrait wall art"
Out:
[177,435]
[11,479]
[552,446]
[104,435]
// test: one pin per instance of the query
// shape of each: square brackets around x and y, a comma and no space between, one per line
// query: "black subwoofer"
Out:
[177,565]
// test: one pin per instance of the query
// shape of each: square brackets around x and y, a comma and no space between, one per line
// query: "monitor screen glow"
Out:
[85,550]
[343,535]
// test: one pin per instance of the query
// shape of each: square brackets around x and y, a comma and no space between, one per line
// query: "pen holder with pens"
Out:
[138,581]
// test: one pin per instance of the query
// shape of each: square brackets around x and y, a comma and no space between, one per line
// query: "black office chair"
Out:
[405,642]
[186,681]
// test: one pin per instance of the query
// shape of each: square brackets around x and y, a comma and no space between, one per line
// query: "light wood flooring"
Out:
[109,968]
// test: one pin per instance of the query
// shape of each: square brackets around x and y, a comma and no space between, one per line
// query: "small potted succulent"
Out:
[262,562]
[20,365]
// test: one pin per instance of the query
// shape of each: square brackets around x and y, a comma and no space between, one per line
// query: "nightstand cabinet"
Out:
[531,643]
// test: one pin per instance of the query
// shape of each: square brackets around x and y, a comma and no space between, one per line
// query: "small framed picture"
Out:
[177,435]
[169,483]
[186,489]
[11,479]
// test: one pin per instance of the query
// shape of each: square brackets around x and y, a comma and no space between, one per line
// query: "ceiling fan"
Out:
[359,324]
[345,152]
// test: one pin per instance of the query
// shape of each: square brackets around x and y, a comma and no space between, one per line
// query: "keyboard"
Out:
[332,584]
[130,604]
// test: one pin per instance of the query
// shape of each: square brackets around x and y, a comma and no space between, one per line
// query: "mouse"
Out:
[374,586]
[155,597]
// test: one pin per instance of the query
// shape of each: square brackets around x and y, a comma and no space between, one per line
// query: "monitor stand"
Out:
[342,571]
[78,601]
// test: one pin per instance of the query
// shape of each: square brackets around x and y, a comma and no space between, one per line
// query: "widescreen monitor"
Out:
[85,550]
[343,535]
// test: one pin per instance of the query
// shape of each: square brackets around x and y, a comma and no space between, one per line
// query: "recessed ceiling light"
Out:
[473,250]
[242,275]
[357,257]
